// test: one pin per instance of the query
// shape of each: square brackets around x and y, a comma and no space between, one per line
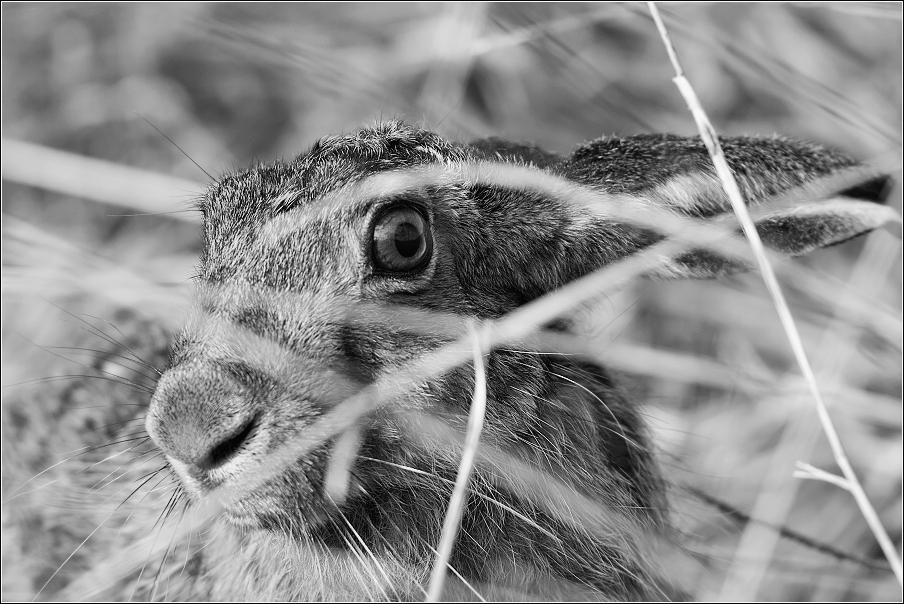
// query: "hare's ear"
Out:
[497,149]
[779,179]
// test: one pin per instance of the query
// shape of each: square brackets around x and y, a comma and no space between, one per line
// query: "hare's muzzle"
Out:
[203,420]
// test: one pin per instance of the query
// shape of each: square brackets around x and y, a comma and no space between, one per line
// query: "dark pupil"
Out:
[407,239]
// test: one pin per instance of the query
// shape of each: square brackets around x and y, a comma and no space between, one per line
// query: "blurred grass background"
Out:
[233,84]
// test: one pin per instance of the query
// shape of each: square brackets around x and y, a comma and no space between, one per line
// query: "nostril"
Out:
[224,451]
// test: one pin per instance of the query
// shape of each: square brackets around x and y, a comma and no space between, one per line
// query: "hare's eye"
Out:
[401,240]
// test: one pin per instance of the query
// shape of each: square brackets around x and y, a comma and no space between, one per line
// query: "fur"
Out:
[271,347]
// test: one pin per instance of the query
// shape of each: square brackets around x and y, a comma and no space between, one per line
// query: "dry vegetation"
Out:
[234,84]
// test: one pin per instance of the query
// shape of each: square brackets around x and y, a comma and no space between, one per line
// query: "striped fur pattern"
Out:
[280,336]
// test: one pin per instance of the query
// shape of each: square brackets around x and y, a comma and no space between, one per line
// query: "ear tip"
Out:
[876,189]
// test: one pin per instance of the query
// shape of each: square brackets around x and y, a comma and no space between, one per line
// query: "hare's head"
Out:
[327,279]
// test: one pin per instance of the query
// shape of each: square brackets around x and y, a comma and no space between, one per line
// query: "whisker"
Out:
[114,379]
[206,173]
[95,331]
[530,522]
[102,354]
[166,554]
[69,557]
[370,554]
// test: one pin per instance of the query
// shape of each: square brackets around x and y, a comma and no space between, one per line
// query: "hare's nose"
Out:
[201,417]
[227,448]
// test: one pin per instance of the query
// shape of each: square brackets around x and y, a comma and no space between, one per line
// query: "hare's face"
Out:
[333,273]
[318,279]
[297,258]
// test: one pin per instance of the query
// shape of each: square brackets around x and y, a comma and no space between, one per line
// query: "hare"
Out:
[301,260]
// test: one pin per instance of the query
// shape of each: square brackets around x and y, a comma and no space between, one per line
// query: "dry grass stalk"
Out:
[460,492]
[346,75]
[97,180]
[707,133]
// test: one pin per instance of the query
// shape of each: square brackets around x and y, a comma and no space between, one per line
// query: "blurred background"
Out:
[182,92]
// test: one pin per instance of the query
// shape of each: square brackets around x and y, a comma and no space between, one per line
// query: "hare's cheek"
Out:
[287,502]
[369,349]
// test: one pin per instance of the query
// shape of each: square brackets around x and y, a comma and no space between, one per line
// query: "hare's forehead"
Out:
[316,243]
[317,230]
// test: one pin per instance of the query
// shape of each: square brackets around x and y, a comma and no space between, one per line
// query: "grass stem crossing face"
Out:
[310,356]
[259,392]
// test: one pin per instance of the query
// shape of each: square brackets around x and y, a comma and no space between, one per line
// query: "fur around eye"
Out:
[401,241]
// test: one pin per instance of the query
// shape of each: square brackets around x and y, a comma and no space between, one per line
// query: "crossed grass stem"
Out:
[514,328]
[681,233]
[726,177]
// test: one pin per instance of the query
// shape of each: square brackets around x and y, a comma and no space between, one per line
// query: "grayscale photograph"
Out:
[432,302]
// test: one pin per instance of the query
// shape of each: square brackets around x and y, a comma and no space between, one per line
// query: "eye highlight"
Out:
[401,241]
